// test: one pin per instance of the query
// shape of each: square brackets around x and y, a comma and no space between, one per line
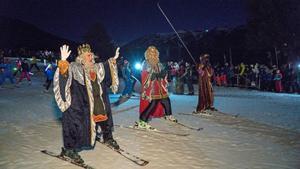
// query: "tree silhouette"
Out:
[272,24]
[100,41]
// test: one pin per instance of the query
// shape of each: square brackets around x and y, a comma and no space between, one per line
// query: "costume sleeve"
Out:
[211,72]
[61,85]
[63,66]
[111,78]
[200,69]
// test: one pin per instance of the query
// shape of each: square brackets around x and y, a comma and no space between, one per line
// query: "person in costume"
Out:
[154,101]
[81,93]
[206,95]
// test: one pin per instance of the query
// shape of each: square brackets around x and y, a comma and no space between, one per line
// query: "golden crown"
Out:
[84,48]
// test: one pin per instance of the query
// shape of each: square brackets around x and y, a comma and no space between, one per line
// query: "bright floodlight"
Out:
[138,66]
[298,65]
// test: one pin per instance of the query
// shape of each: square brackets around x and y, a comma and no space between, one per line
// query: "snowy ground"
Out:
[264,135]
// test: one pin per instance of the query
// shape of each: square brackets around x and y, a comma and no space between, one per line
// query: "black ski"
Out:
[126,109]
[119,101]
[52,154]
[186,126]
[155,131]
[196,114]
[133,158]
[209,114]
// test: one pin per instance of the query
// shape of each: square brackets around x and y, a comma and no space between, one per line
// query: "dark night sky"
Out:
[124,19]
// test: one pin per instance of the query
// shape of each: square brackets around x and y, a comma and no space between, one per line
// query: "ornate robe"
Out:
[154,86]
[74,94]
[205,97]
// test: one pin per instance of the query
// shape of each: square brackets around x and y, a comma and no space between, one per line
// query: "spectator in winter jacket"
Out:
[34,64]
[127,72]
[49,71]
[298,78]
[6,72]
[25,71]
[277,79]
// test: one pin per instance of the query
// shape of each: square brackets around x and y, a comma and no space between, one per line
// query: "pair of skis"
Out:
[155,131]
[135,127]
[208,114]
[188,127]
[133,158]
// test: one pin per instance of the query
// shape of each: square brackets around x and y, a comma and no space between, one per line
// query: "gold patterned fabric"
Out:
[114,75]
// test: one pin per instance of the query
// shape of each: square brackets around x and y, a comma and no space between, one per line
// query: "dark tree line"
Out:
[270,34]
[274,28]
[100,41]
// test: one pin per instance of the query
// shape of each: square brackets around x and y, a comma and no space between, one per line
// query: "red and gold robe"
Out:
[205,97]
[153,89]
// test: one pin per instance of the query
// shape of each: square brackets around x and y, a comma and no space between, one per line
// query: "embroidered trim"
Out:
[100,76]
[63,105]
[77,70]
[114,75]
[89,89]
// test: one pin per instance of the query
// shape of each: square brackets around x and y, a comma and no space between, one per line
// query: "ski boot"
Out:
[72,154]
[212,109]
[199,112]
[171,118]
[144,125]
[202,112]
[112,144]
[78,158]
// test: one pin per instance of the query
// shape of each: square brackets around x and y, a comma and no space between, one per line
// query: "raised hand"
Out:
[117,53]
[64,52]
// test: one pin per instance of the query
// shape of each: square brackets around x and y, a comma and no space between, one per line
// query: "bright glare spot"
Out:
[138,66]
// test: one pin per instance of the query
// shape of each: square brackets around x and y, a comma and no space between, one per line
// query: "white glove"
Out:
[64,52]
[117,53]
